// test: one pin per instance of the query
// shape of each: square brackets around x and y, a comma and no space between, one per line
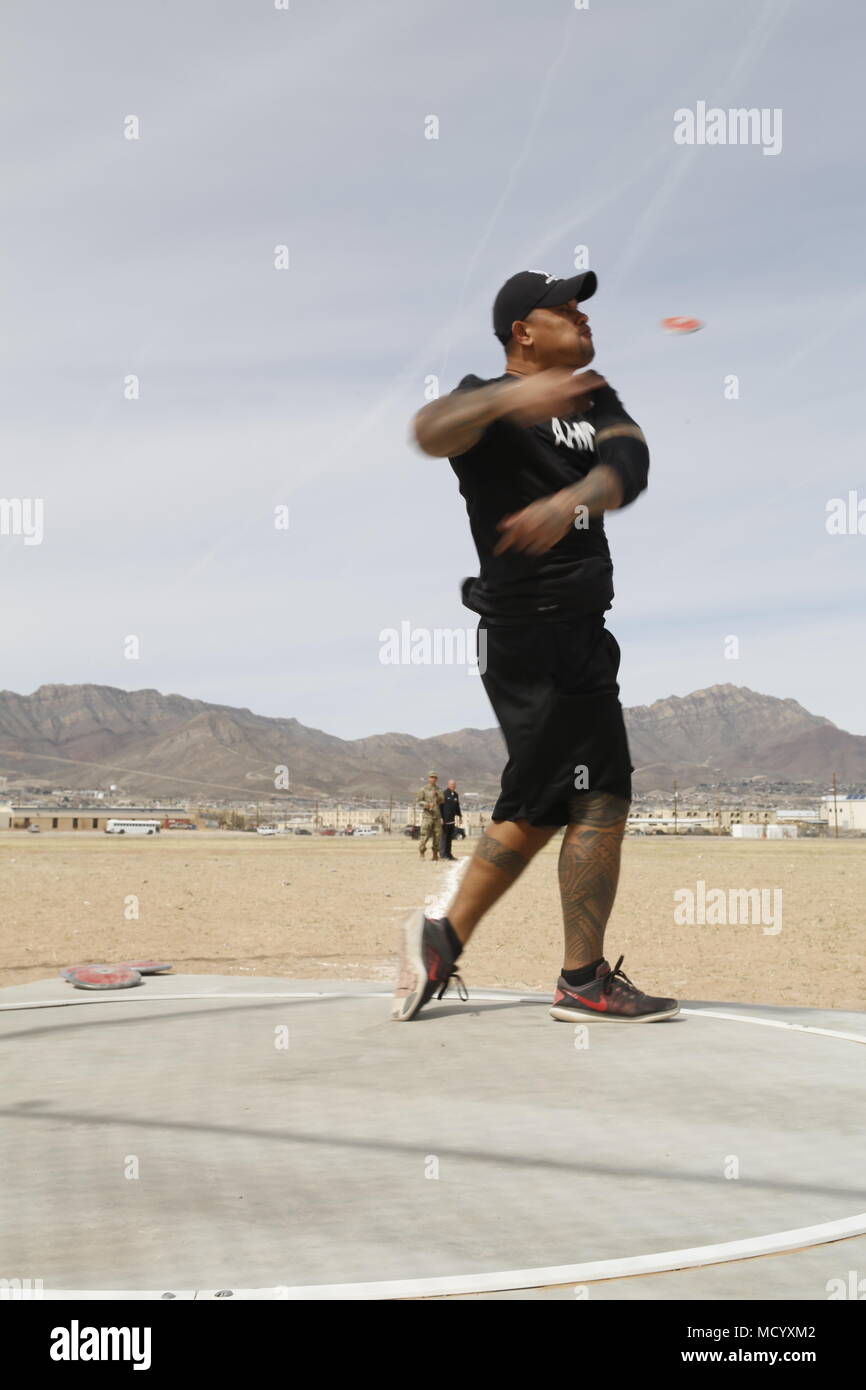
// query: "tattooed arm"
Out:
[451,426]
[540,525]
[617,479]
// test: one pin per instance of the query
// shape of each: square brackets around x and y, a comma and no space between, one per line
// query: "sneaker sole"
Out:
[569,1015]
[411,955]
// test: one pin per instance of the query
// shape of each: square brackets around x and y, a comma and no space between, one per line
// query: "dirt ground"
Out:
[218,903]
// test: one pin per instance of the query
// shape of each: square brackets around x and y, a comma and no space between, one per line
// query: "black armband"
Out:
[629,457]
[627,453]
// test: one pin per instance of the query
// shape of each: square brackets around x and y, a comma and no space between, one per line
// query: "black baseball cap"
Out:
[535,289]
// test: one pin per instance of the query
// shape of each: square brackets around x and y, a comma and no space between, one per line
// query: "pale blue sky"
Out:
[261,387]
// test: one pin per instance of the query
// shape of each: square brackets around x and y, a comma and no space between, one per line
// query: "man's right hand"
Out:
[543,395]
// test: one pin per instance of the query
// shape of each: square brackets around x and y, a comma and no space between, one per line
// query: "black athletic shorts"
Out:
[553,687]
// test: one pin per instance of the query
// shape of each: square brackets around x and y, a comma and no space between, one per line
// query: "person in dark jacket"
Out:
[450,813]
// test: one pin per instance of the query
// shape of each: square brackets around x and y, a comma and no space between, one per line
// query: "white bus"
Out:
[132,827]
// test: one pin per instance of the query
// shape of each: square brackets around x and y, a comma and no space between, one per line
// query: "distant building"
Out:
[764,832]
[721,819]
[845,812]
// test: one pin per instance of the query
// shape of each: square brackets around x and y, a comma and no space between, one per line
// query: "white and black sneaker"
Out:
[427,965]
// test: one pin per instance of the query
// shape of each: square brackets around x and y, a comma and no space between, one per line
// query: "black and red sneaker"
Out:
[427,965]
[610,996]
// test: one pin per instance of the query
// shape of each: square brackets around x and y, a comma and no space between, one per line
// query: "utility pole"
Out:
[676,805]
[835,810]
[390,809]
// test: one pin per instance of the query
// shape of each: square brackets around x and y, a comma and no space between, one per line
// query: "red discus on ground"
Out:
[681,325]
[103,977]
[69,970]
[147,967]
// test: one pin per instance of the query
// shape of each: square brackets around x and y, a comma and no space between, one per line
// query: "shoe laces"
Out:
[618,974]
[462,991]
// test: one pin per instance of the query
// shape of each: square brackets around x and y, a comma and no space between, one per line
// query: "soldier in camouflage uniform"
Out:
[430,800]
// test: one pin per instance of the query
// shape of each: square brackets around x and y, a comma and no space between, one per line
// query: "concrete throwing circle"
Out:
[298,1142]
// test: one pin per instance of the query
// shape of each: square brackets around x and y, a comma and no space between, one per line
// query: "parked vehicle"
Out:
[413,831]
[35,829]
[329,831]
[301,831]
[266,830]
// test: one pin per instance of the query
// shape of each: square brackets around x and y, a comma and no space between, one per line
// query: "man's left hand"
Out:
[539,526]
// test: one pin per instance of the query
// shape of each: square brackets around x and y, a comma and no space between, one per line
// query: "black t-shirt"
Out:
[510,467]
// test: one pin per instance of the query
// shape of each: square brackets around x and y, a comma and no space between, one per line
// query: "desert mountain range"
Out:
[154,745]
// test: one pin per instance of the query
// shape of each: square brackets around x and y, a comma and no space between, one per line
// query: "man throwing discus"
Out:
[541,452]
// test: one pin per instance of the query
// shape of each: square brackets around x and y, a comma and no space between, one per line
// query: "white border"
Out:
[502,1281]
